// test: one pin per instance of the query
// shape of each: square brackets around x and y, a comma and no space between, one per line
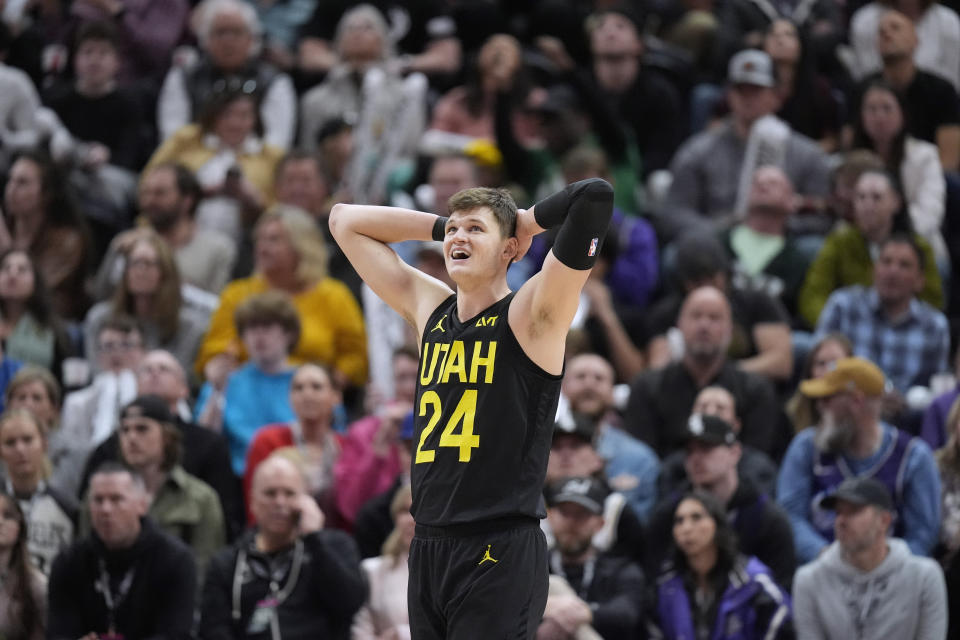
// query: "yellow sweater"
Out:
[331,327]
[186,147]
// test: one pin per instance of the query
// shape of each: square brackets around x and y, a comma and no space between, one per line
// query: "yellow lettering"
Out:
[487,322]
[456,363]
[425,377]
[487,362]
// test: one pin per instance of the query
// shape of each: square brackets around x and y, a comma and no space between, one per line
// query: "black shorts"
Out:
[483,580]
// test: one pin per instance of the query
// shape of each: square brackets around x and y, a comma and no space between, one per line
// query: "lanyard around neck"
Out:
[589,569]
[111,600]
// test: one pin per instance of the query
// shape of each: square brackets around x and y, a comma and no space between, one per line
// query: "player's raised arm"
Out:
[363,233]
[545,305]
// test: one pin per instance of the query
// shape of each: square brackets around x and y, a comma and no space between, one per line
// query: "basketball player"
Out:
[490,368]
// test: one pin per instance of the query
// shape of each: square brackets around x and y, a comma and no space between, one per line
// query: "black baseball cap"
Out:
[586,491]
[861,491]
[577,425]
[148,406]
[710,430]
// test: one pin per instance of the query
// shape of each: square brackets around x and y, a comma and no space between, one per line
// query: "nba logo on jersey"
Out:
[593,248]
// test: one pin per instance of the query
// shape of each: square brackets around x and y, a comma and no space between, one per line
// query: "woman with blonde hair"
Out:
[50,513]
[35,389]
[385,611]
[149,292]
[290,256]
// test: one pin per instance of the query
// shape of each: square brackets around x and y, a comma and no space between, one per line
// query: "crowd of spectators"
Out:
[206,418]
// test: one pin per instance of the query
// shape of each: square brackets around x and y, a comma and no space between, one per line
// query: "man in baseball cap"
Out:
[852,440]
[712,456]
[712,169]
[848,374]
[597,581]
[866,572]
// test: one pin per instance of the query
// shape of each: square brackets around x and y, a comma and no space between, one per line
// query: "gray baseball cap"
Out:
[751,67]
[861,491]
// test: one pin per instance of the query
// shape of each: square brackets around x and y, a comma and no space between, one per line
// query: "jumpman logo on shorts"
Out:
[487,557]
[440,325]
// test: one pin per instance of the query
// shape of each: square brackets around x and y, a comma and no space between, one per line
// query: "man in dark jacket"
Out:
[762,528]
[604,590]
[128,579]
[287,579]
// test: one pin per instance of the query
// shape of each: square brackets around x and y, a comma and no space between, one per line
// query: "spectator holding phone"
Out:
[289,575]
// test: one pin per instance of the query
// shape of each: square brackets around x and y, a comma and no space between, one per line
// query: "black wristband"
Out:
[439,228]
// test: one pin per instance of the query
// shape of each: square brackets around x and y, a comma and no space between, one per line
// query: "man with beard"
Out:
[661,400]
[604,590]
[168,199]
[852,441]
[631,467]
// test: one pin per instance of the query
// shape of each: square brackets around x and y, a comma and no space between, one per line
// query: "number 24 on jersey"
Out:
[465,411]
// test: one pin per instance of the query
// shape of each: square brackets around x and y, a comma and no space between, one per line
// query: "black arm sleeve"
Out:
[582,210]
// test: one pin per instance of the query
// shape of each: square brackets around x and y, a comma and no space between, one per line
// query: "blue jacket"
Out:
[751,607]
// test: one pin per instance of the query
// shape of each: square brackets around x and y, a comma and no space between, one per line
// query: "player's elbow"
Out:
[598,187]
[337,219]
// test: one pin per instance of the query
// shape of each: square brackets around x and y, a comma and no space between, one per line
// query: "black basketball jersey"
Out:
[483,421]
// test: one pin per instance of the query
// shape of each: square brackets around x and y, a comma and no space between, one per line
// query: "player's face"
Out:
[474,247]
[693,528]
[588,385]
[573,527]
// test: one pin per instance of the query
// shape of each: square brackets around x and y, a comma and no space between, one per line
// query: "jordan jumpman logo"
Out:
[487,557]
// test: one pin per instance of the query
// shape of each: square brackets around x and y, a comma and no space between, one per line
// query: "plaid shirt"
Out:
[909,350]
